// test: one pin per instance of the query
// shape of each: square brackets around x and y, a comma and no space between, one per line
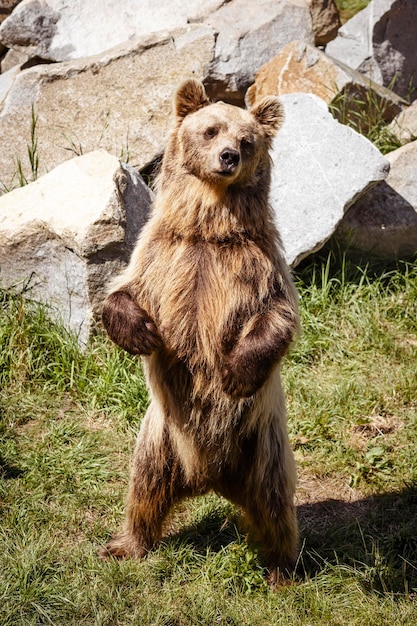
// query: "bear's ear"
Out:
[270,113]
[190,97]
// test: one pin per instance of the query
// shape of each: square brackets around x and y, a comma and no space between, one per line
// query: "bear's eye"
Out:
[210,132]
[246,144]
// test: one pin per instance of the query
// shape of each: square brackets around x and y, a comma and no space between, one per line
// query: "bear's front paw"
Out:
[239,383]
[128,325]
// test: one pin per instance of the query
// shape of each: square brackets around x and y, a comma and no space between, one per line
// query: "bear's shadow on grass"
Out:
[8,471]
[217,529]
[374,536]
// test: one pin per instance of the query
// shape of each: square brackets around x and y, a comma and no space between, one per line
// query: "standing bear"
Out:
[208,301]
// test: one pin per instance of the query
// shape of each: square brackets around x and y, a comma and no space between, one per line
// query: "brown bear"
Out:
[208,301]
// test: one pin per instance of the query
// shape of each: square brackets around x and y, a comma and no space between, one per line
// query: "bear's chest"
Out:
[196,288]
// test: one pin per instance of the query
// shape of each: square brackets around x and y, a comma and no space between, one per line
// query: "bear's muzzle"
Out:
[229,160]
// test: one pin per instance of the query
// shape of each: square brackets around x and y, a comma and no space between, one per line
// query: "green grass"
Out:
[67,427]
[348,8]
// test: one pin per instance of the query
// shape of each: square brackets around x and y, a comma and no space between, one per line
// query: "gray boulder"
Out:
[380,41]
[383,222]
[320,168]
[64,236]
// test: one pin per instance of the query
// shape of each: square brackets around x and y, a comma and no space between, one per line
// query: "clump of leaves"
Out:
[373,463]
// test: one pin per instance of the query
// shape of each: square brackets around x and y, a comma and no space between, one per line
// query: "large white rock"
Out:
[383,222]
[120,101]
[58,30]
[380,41]
[320,168]
[65,235]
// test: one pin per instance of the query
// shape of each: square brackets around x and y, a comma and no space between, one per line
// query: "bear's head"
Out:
[220,143]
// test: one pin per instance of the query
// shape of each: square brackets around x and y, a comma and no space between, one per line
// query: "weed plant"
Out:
[367,113]
[67,426]
[32,153]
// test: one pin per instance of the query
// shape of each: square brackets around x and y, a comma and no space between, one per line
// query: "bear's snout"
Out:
[229,160]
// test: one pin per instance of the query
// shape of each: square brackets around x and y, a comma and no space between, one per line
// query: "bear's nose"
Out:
[229,159]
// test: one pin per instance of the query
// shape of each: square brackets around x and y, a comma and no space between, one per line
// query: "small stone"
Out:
[404,126]
[326,21]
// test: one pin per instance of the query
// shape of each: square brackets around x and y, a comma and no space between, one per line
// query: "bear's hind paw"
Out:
[277,578]
[121,547]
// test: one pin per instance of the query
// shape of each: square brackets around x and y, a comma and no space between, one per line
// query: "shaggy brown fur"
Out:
[207,297]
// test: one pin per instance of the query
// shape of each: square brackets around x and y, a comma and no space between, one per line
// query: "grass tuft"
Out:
[32,153]
[368,114]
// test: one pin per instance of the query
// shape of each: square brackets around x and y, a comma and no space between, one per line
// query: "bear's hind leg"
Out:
[269,504]
[263,485]
[275,528]
[156,484]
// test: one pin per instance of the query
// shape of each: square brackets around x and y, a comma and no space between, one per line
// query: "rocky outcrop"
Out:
[247,33]
[64,236]
[300,67]
[380,41]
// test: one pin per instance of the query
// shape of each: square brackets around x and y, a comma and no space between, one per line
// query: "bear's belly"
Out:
[200,417]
